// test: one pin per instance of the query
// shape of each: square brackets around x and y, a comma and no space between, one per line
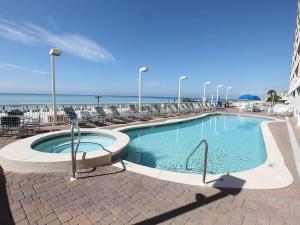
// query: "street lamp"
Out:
[54,52]
[141,70]
[179,88]
[204,89]
[220,85]
[228,88]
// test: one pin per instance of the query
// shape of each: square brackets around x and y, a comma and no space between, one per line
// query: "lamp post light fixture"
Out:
[179,89]
[204,90]
[54,52]
[141,70]
[227,90]
[220,85]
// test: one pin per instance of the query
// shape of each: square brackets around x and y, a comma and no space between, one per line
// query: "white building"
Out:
[293,95]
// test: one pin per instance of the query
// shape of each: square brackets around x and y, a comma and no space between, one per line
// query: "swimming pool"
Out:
[235,144]
[89,142]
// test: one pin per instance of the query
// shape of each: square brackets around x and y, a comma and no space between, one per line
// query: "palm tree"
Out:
[272,93]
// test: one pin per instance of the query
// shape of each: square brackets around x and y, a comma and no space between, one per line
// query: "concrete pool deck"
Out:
[111,195]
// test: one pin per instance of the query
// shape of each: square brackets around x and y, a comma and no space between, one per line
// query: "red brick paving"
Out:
[112,196]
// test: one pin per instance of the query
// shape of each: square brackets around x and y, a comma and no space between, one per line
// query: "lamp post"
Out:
[141,70]
[179,88]
[204,89]
[226,98]
[220,85]
[54,52]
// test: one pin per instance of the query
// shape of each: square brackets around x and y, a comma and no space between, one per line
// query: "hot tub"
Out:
[51,152]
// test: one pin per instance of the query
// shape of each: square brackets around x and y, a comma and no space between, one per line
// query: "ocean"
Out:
[46,99]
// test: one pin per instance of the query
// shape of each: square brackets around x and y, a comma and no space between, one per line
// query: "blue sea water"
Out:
[235,144]
[15,98]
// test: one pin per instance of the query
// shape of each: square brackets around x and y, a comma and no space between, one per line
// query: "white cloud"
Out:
[14,32]
[151,84]
[74,44]
[41,72]
[9,66]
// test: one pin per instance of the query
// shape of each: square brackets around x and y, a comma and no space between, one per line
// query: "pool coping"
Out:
[20,157]
[272,174]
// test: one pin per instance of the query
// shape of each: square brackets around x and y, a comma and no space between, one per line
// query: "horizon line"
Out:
[106,95]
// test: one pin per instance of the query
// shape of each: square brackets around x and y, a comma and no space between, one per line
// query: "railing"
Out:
[74,149]
[45,112]
[205,158]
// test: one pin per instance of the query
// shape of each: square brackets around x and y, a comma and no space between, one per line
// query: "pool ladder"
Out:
[74,149]
[205,158]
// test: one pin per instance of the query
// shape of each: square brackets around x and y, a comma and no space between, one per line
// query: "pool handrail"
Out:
[74,150]
[205,158]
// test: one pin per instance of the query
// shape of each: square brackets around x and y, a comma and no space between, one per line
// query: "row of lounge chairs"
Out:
[129,112]
[18,124]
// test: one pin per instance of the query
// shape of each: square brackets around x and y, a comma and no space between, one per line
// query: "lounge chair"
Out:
[257,108]
[198,108]
[190,107]
[209,106]
[10,124]
[159,110]
[117,115]
[100,112]
[86,116]
[15,112]
[126,112]
[151,110]
[174,109]
[144,115]
[182,108]
[203,106]
[32,124]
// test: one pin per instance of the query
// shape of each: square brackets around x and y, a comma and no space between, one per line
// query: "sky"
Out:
[244,44]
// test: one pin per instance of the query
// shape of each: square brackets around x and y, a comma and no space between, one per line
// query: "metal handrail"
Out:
[73,148]
[205,158]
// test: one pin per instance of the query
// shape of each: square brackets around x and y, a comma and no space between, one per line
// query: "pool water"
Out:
[235,143]
[62,144]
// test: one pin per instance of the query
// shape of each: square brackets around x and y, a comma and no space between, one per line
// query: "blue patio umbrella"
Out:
[249,97]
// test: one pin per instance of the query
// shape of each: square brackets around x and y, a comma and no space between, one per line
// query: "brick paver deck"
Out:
[109,195]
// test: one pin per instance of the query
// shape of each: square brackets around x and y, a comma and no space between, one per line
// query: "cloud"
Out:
[151,84]
[75,44]
[41,72]
[8,66]
[14,32]
[11,66]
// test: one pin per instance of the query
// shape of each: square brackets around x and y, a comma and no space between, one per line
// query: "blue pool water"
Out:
[235,144]
[61,144]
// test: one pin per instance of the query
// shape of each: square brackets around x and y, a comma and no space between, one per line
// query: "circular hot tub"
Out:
[88,142]
[51,152]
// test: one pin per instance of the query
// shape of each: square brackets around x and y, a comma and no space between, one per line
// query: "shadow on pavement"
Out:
[201,200]
[5,213]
